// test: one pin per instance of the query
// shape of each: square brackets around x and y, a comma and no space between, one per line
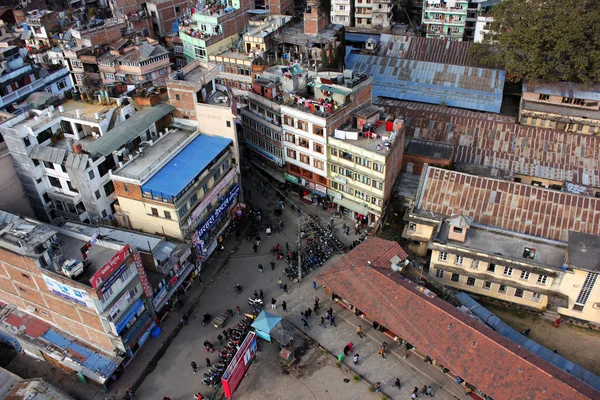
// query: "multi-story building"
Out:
[373,13]
[508,241]
[445,19]
[18,80]
[564,106]
[60,179]
[165,14]
[92,286]
[143,62]
[82,63]
[213,28]
[313,114]
[176,185]
[364,161]
[342,12]
[41,25]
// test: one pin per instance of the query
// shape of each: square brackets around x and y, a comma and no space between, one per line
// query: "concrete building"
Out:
[373,14]
[456,20]
[563,106]
[165,14]
[364,160]
[19,79]
[143,62]
[12,196]
[60,180]
[39,27]
[342,12]
[82,63]
[488,237]
[310,116]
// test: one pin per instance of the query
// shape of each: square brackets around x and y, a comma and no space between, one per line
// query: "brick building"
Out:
[418,152]
[165,13]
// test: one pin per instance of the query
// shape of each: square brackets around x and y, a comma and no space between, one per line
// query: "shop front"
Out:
[309,192]
[176,281]
[359,212]
[133,328]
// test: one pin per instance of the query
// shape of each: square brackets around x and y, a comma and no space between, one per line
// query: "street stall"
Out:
[264,324]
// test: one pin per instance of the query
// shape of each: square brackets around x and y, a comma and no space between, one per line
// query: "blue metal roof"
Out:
[360,37]
[426,82]
[185,166]
[502,328]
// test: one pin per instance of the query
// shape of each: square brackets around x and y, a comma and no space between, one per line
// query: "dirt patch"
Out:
[572,342]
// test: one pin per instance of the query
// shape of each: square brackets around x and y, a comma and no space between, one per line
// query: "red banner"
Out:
[142,273]
[103,273]
[233,375]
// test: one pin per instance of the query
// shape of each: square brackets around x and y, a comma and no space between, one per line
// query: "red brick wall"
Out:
[107,36]
[133,191]
[315,21]
[186,104]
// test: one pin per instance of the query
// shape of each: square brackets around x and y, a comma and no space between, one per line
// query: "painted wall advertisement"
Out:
[193,218]
[68,292]
[210,221]
[103,273]
[145,283]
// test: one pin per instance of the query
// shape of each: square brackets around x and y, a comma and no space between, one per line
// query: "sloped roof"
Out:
[511,206]
[48,154]
[465,346]
[426,82]
[498,141]
[425,49]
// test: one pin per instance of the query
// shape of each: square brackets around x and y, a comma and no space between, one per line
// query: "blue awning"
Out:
[360,37]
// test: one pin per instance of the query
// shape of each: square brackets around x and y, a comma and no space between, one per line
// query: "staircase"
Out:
[113,118]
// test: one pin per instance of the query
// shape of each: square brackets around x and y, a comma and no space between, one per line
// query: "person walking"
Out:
[208,362]
[350,346]
[397,383]
[305,324]
[260,268]
[308,313]
[356,358]
[285,288]
[280,282]
[382,352]
[416,391]
[378,387]
[316,302]
[194,367]
[332,321]
[346,350]
[272,265]
[429,392]
[256,294]
[423,391]
[268,231]
[287,246]
[323,324]
[314,286]
[255,248]
[356,229]
[261,294]
[220,339]
[284,306]
[327,315]
[299,211]
[359,332]
[239,311]
[273,304]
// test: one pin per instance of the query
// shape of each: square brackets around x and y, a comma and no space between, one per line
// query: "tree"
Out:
[544,39]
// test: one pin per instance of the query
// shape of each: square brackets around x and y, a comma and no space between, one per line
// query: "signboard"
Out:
[320,188]
[67,292]
[290,178]
[340,179]
[113,278]
[233,375]
[333,194]
[162,293]
[185,255]
[210,197]
[210,221]
[119,305]
[103,273]
[145,283]
[265,154]
[133,310]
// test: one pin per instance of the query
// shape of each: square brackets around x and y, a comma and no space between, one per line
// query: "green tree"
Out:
[544,39]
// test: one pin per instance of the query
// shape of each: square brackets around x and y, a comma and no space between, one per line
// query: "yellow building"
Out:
[364,161]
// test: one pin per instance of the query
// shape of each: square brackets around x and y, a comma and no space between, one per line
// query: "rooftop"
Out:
[141,167]
[88,112]
[584,251]
[128,130]
[182,169]
[143,52]
[494,364]
[21,236]
[295,35]
[408,185]
[428,148]
[565,89]
[423,49]
[576,112]
[379,140]
[36,389]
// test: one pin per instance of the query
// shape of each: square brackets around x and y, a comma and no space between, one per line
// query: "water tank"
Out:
[77,148]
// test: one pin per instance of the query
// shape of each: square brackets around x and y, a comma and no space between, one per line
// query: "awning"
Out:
[352,206]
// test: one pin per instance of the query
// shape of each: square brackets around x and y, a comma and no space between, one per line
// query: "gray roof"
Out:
[128,130]
[428,148]
[560,110]
[49,154]
[584,251]
[7,380]
[77,161]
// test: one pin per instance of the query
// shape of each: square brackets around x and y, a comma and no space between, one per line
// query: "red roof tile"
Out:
[498,141]
[507,205]
[33,327]
[465,346]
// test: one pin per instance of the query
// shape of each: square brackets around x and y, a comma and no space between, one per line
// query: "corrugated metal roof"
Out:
[7,380]
[48,154]
[455,86]
[425,49]
[565,89]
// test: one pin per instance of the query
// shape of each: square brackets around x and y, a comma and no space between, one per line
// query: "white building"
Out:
[373,13]
[342,12]
[482,27]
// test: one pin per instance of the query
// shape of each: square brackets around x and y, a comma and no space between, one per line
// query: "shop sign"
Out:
[321,188]
[340,179]
[335,195]
[193,218]
[103,273]
[185,255]
[133,310]
[210,221]
[211,248]
[113,278]
[69,293]
[162,293]
[266,154]
[116,309]
[290,178]
[145,283]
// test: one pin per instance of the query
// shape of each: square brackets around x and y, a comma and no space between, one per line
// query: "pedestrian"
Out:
[284,306]
[350,346]
[285,288]
[302,315]
[314,285]
[220,339]
[256,294]
[273,304]
[557,322]
[268,231]
[413,396]
[226,334]
[308,313]
[327,315]
[260,268]
[255,248]
[346,350]
[344,227]
[360,332]
[416,390]
[129,392]
[261,294]
[331,222]
[323,324]
[280,282]
[423,391]
[356,229]
[194,367]
[305,325]
[272,265]
[378,387]
[429,393]
[208,362]
[287,246]
[239,311]
[184,320]
[332,321]
[316,302]
[257,240]
[281,204]
[382,352]
[347,231]
[355,359]
[397,383]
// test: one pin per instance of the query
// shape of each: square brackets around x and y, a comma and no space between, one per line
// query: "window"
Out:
[303,143]
[519,293]
[378,185]
[541,280]
[317,130]
[177,97]
[567,100]
[205,188]
[48,165]
[443,256]
[471,281]
[507,271]
[291,154]
[487,285]
[228,123]
[106,295]
[439,273]
[491,267]
[26,141]
[333,152]
[193,199]
[54,182]
[97,194]
[378,167]
[109,188]
[459,260]
[455,277]
[177,10]
[536,297]
[104,214]
[154,211]
[502,289]
[167,214]
[412,226]
[525,275]
[36,163]
[318,164]
[182,210]
[318,148]
[303,125]
[61,84]
[586,290]
[91,174]
[287,120]
[109,76]
[304,158]
[71,187]
[126,274]
[475,264]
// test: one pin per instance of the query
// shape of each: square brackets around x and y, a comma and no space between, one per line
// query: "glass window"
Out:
[443,256]
[541,280]
[519,293]
[154,211]
[167,214]
[439,273]
[91,174]
[471,281]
